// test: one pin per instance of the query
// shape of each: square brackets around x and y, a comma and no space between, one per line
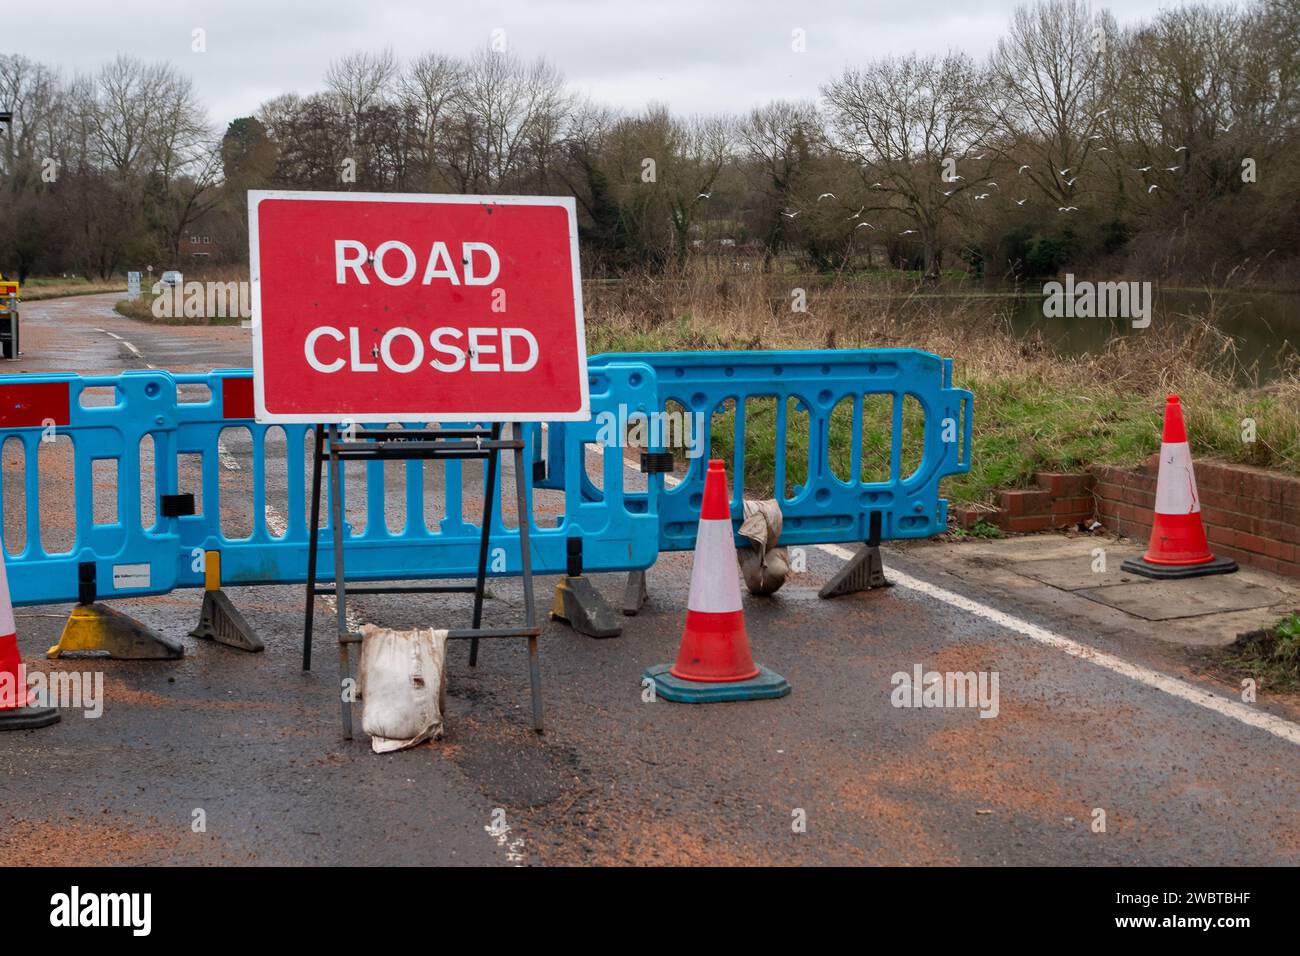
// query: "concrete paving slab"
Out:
[1191,597]
[1076,573]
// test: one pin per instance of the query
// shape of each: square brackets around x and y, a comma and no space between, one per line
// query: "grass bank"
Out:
[1034,410]
[141,309]
[33,290]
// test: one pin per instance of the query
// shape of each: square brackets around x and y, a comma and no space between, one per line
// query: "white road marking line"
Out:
[514,848]
[134,351]
[1261,720]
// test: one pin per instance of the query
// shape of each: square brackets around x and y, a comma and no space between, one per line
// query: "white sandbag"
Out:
[763,564]
[403,686]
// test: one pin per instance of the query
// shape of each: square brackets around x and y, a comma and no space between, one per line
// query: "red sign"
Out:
[372,307]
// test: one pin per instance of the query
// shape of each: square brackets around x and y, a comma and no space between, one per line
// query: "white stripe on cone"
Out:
[6,606]
[1176,482]
[715,586]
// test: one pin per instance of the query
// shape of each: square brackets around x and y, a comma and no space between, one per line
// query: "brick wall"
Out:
[1250,514]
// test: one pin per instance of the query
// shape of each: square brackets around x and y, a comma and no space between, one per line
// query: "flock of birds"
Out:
[992,184]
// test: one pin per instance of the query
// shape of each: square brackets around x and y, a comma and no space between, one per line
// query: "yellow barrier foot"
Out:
[582,607]
[220,621]
[96,630]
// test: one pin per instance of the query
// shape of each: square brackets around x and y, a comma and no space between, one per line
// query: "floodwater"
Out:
[1264,326]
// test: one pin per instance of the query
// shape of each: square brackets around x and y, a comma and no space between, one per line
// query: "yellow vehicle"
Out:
[9,297]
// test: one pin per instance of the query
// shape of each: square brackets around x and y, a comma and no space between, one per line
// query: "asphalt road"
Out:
[254,743]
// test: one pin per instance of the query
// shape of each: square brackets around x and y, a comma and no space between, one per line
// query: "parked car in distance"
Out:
[172,278]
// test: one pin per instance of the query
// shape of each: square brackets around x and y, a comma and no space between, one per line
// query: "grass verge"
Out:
[141,309]
[1271,655]
[33,290]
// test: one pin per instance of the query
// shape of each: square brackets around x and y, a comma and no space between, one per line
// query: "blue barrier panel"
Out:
[818,505]
[616,536]
[580,484]
[107,419]
[211,448]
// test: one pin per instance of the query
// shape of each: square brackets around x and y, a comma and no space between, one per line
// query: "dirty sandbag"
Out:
[763,564]
[403,686]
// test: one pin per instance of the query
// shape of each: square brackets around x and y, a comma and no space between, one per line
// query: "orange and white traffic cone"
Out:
[15,714]
[714,662]
[1178,547]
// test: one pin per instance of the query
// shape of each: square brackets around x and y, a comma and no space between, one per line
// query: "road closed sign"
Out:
[372,307]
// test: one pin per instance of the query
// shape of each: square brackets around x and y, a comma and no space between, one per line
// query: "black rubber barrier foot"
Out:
[864,571]
[583,608]
[28,718]
[634,595]
[1168,572]
[220,621]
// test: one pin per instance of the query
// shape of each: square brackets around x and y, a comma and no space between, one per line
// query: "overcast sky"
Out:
[695,55]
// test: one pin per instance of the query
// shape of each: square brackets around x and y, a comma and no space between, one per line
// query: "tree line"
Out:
[1166,146]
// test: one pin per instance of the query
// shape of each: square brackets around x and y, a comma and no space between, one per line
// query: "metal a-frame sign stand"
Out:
[424,444]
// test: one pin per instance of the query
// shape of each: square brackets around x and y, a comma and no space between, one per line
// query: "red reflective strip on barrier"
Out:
[33,404]
[237,398]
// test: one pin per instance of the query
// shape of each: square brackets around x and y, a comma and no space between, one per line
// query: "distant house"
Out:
[197,246]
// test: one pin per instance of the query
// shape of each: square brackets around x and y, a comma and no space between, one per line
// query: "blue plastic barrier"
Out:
[621,527]
[127,557]
[824,507]
[618,533]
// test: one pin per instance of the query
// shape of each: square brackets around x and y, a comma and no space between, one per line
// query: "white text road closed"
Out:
[385,308]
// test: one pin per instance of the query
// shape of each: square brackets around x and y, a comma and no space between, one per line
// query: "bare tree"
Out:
[1051,74]
[900,119]
[779,140]
[508,112]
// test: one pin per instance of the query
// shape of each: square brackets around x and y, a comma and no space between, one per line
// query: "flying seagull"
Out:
[1152,188]
[1141,169]
[1067,208]
[1022,169]
[1071,182]
[825,196]
[863,223]
[1172,169]
[993,184]
[1179,149]
[790,215]
[1021,202]
[703,196]
[856,214]
[907,232]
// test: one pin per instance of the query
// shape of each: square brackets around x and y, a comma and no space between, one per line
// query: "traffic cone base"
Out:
[766,684]
[1169,572]
[28,718]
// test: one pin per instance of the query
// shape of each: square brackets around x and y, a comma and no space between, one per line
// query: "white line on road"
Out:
[134,351]
[1225,706]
